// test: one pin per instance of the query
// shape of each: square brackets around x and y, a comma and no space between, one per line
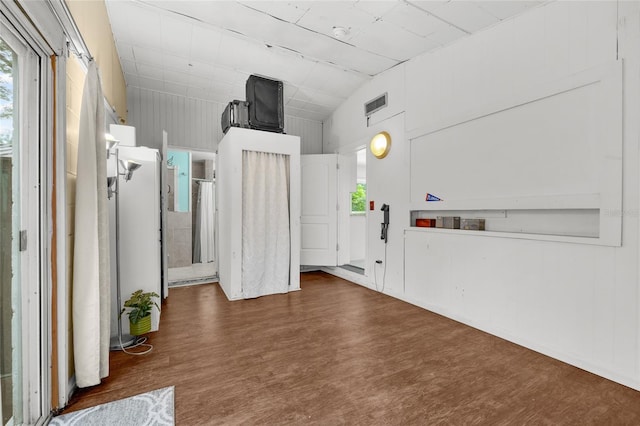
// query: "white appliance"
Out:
[140,265]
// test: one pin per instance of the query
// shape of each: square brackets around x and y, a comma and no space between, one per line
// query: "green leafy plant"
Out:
[140,304]
[359,198]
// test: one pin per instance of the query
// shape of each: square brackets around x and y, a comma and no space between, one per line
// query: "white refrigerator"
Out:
[140,232]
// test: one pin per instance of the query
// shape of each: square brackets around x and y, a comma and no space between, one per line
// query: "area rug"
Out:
[148,409]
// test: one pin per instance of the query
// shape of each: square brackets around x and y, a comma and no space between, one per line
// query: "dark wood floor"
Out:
[337,353]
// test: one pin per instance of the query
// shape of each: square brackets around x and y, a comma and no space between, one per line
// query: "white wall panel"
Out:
[190,123]
[309,131]
[195,123]
[575,302]
[348,124]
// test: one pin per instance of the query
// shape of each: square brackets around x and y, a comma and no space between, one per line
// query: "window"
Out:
[359,198]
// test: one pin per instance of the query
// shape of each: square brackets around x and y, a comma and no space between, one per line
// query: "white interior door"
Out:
[319,213]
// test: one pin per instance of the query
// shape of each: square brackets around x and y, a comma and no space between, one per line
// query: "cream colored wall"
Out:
[93,22]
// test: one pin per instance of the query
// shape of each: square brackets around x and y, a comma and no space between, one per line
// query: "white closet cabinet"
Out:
[229,204]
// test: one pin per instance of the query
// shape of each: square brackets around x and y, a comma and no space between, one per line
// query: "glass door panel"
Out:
[10,297]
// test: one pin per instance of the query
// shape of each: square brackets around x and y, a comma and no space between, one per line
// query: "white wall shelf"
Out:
[513,235]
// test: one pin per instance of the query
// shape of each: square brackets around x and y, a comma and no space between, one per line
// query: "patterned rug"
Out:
[148,409]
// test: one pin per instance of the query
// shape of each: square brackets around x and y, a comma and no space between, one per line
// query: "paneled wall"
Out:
[576,302]
[310,133]
[190,123]
[195,123]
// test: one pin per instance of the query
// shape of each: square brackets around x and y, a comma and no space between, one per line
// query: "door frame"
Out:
[348,151]
[35,156]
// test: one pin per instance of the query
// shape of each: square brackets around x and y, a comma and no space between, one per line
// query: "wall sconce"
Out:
[380,145]
[111,143]
[129,167]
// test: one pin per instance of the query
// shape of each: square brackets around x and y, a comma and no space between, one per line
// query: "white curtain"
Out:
[206,210]
[265,224]
[91,272]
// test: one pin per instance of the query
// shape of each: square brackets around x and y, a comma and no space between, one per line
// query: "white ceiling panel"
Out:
[229,76]
[333,81]
[207,49]
[205,43]
[151,84]
[287,11]
[413,19]
[176,35]
[506,9]
[176,89]
[176,63]
[120,25]
[245,55]
[447,34]
[323,16]
[150,71]
[289,91]
[125,51]
[392,41]
[147,56]
[376,8]
[176,76]
[345,83]
[464,14]
[136,26]
[361,61]
[128,67]
[317,97]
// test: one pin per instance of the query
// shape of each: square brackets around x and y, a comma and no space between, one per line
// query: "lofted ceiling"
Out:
[207,49]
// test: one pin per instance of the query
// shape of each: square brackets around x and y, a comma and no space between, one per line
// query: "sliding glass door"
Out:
[21,348]
[10,306]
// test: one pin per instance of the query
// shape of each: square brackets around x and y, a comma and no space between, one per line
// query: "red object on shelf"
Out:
[371,205]
[426,223]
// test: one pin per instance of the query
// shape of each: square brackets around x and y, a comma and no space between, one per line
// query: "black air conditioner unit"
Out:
[266,107]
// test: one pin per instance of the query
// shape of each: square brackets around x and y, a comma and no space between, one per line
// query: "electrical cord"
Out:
[384,273]
[138,342]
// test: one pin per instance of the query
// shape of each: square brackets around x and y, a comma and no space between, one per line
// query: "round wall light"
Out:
[380,145]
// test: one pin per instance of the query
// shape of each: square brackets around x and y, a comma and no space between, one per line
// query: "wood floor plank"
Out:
[338,353]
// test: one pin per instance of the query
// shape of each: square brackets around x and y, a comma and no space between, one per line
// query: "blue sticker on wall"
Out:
[431,197]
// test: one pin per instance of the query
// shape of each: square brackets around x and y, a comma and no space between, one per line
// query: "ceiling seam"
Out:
[415,6]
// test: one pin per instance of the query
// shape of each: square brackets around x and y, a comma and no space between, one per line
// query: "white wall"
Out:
[195,123]
[575,302]
[357,236]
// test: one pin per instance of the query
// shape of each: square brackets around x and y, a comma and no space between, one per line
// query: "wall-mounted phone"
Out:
[385,223]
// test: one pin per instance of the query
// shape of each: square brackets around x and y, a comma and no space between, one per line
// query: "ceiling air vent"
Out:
[375,104]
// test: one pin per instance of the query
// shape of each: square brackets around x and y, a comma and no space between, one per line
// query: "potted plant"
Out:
[140,314]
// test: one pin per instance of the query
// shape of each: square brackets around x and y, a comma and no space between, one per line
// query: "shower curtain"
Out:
[265,224]
[91,263]
[204,248]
